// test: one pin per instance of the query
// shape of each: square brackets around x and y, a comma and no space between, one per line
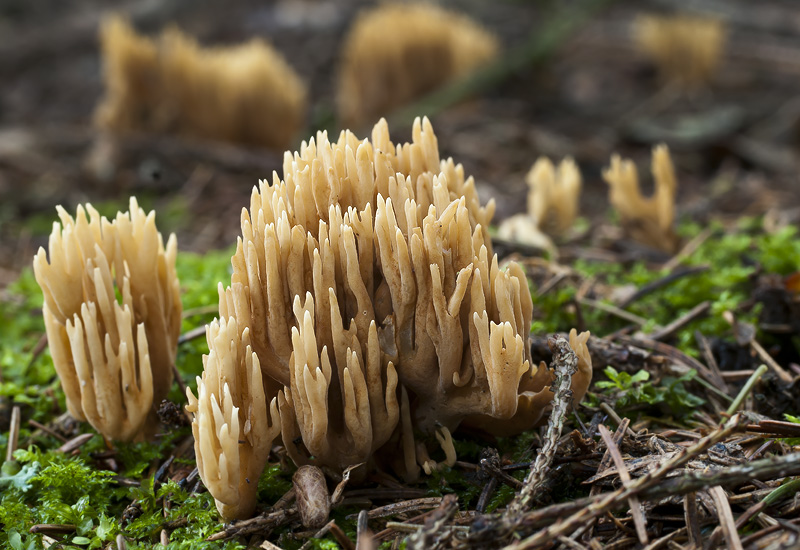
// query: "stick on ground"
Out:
[565,364]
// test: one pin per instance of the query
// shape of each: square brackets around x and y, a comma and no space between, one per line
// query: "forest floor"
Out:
[702,447]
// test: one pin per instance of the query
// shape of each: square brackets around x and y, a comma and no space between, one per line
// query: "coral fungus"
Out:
[686,49]
[553,198]
[374,307]
[114,359]
[648,220]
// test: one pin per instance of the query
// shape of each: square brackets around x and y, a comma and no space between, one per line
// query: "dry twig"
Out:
[565,364]
[636,508]
[263,524]
[364,540]
[432,534]
[13,433]
[726,518]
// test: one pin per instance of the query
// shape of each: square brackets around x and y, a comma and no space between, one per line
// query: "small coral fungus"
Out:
[114,359]
[647,220]
[553,197]
[686,49]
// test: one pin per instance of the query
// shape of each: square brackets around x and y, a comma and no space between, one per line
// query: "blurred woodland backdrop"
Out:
[585,89]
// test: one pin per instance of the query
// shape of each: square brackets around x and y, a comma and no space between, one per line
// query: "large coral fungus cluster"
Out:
[366,300]
[245,94]
[397,52]
[114,359]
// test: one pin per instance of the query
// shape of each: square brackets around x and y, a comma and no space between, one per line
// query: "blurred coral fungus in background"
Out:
[245,94]
[398,52]
[236,312]
[686,49]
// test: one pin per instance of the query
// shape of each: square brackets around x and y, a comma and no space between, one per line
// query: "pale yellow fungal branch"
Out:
[232,422]
[397,52]
[686,49]
[245,93]
[647,220]
[114,359]
[553,200]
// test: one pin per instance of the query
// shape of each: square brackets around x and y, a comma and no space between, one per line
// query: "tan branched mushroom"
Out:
[686,49]
[398,52]
[232,424]
[648,220]
[114,359]
[553,198]
[373,299]
[245,93]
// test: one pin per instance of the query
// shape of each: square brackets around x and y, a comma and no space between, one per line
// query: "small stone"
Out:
[313,500]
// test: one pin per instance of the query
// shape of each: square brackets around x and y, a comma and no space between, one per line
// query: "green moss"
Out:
[273,484]
[59,489]
[171,504]
[732,260]
[445,481]
[501,498]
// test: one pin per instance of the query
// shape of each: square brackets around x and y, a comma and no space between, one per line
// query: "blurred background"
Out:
[720,84]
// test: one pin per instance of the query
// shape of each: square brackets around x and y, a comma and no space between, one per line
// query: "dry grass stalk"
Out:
[398,52]
[686,49]
[114,359]
[637,511]
[433,533]
[726,519]
[648,220]
[245,94]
